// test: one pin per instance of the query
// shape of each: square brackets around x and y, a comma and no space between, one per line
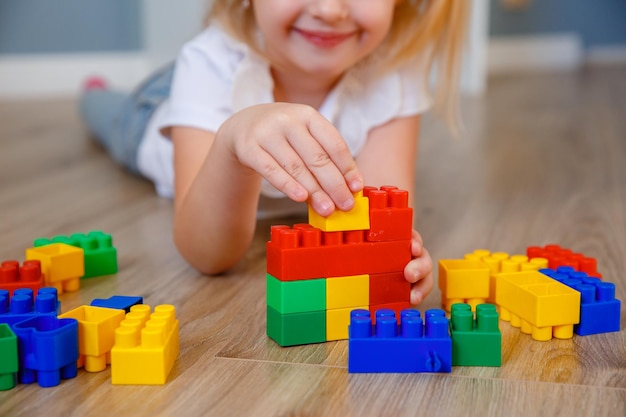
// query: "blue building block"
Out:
[412,346]
[24,305]
[48,349]
[599,309]
[119,302]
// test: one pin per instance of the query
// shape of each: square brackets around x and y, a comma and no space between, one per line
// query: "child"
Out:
[308,99]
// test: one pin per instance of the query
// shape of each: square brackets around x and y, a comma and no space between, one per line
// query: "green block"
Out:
[296,296]
[296,328]
[100,255]
[475,342]
[8,357]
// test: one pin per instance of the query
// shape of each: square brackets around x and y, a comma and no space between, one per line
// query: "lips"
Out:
[324,39]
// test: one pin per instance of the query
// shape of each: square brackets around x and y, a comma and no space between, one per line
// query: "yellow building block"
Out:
[541,306]
[62,265]
[350,291]
[463,281]
[146,346]
[96,334]
[337,322]
[356,219]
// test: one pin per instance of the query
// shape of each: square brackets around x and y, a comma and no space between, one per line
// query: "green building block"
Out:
[475,342]
[288,297]
[8,357]
[296,328]
[100,254]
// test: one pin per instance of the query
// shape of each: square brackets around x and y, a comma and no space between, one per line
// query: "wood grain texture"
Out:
[543,161]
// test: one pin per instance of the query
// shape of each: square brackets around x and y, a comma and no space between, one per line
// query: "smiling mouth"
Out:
[324,39]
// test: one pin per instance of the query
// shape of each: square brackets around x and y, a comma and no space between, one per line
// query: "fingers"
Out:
[419,273]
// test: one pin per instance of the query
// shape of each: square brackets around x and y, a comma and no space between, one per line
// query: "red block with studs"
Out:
[14,276]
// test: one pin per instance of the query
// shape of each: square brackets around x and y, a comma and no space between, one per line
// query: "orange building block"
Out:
[96,334]
[61,264]
[146,346]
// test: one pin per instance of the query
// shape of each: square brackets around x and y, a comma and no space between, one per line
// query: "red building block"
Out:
[558,256]
[305,252]
[391,218]
[390,287]
[14,276]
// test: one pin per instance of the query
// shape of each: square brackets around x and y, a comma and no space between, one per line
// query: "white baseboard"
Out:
[53,75]
[562,51]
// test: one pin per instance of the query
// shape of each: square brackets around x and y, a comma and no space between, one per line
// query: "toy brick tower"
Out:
[317,273]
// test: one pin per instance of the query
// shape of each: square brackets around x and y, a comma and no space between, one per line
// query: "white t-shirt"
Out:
[217,76]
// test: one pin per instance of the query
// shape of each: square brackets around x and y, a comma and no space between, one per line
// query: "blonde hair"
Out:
[434,28]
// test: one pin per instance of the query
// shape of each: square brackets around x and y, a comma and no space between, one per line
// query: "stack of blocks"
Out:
[544,302]
[317,273]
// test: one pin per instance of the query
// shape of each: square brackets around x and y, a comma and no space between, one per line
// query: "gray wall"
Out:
[66,26]
[599,22]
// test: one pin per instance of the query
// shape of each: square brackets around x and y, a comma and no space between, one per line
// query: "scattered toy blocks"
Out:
[61,264]
[14,276]
[475,342]
[541,306]
[8,357]
[463,281]
[120,302]
[355,219]
[100,254]
[599,309]
[48,349]
[413,346]
[96,334]
[558,256]
[146,346]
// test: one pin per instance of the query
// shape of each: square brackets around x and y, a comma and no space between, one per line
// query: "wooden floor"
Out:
[544,161]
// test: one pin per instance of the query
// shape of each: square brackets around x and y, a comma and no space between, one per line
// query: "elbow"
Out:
[208,259]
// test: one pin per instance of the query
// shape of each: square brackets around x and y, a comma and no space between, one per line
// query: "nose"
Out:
[329,10]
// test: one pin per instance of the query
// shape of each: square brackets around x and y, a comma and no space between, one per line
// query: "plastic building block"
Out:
[8,357]
[391,218]
[14,276]
[120,302]
[24,304]
[558,256]
[413,346]
[146,346]
[337,322]
[295,253]
[355,219]
[475,342]
[351,291]
[48,349]
[62,265]
[390,287]
[296,328]
[540,305]
[296,296]
[599,309]
[100,254]
[462,280]
[96,334]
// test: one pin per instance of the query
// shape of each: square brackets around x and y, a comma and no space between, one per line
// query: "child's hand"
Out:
[419,272]
[298,151]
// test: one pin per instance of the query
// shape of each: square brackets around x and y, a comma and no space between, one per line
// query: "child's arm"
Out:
[218,177]
[389,158]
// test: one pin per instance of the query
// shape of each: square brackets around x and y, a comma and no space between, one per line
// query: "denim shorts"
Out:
[118,120]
